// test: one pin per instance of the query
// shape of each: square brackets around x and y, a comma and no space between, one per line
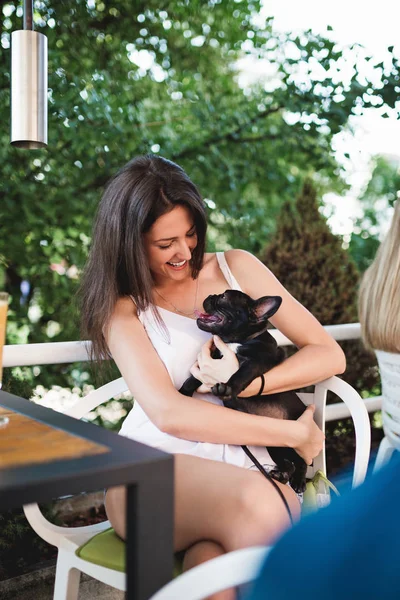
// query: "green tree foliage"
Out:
[127,78]
[379,195]
[311,263]
[16,383]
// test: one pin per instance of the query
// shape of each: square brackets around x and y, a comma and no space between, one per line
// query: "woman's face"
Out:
[169,245]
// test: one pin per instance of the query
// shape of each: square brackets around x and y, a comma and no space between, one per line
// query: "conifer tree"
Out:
[309,260]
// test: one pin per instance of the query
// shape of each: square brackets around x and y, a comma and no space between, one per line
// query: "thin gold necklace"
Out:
[181,312]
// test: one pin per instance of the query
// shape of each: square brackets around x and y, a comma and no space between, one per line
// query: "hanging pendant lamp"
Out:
[28,85]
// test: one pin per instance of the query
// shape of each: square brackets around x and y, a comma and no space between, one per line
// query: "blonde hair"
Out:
[379,296]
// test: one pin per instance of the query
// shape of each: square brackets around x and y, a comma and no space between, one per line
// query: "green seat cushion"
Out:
[105,549]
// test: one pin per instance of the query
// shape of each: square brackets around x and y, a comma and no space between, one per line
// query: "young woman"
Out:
[147,274]
[379,312]
[379,297]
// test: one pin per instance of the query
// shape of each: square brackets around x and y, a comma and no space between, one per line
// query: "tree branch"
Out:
[255,138]
[229,135]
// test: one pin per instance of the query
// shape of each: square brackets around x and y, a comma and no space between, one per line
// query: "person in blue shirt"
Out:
[349,550]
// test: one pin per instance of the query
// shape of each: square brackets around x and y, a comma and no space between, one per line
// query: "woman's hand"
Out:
[214,370]
[311,438]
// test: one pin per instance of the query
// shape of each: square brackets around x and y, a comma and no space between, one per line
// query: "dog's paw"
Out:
[298,482]
[288,466]
[280,476]
[223,391]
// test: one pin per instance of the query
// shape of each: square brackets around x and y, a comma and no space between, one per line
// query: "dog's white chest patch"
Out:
[234,346]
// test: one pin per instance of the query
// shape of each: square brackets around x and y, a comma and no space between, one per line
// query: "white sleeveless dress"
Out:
[178,354]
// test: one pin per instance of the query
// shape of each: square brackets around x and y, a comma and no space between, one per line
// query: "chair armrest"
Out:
[54,534]
[362,426]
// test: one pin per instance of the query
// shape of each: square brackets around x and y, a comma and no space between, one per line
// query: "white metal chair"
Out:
[68,540]
[389,367]
[359,415]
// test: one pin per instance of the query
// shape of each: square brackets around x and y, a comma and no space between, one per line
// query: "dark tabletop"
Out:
[75,455]
[45,454]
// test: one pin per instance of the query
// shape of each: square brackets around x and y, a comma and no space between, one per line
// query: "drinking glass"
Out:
[3,322]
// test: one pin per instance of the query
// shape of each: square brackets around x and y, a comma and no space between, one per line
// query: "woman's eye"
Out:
[169,245]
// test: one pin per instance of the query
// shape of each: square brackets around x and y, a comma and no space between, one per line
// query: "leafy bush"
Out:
[309,260]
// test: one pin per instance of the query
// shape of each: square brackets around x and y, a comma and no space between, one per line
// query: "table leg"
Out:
[149,548]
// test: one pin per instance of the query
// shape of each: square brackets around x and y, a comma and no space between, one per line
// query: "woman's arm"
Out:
[311,364]
[191,418]
[319,355]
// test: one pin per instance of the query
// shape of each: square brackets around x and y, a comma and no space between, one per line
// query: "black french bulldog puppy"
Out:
[241,321]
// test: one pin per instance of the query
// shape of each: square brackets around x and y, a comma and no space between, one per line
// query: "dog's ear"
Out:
[267,306]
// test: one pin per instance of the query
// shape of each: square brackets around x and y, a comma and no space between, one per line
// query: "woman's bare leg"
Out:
[214,501]
[202,552]
[230,505]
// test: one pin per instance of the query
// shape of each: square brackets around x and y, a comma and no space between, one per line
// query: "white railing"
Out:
[22,355]
[54,353]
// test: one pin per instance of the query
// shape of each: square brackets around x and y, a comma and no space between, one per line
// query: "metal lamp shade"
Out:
[28,89]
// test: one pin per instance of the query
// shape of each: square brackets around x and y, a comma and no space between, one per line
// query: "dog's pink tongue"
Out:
[200,315]
[206,318]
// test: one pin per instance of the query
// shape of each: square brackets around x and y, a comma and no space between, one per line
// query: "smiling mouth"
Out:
[177,265]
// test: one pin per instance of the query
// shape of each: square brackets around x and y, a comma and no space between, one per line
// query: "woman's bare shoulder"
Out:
[240,259]
[124,307]
[237,254]
[253,276]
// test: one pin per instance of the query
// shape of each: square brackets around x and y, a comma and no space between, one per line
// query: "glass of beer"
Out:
[3,322]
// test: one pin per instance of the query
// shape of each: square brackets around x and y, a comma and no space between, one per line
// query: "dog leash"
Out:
[264,472]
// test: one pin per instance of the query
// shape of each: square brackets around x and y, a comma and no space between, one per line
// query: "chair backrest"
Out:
[389,367]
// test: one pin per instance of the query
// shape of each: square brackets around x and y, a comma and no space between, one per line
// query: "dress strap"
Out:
[223,265]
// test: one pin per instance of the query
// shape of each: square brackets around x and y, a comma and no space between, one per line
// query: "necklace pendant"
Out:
[181,312]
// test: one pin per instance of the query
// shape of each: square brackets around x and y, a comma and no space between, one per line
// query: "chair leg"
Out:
[67,578]
[384,454]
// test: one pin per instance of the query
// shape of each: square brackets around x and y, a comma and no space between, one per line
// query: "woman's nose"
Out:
[184,251]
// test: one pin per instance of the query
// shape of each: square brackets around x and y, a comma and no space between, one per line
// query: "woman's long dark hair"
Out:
[143,190]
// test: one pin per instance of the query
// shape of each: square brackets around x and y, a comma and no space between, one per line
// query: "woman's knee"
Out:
[115,505]
[201,552]
[261,513]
